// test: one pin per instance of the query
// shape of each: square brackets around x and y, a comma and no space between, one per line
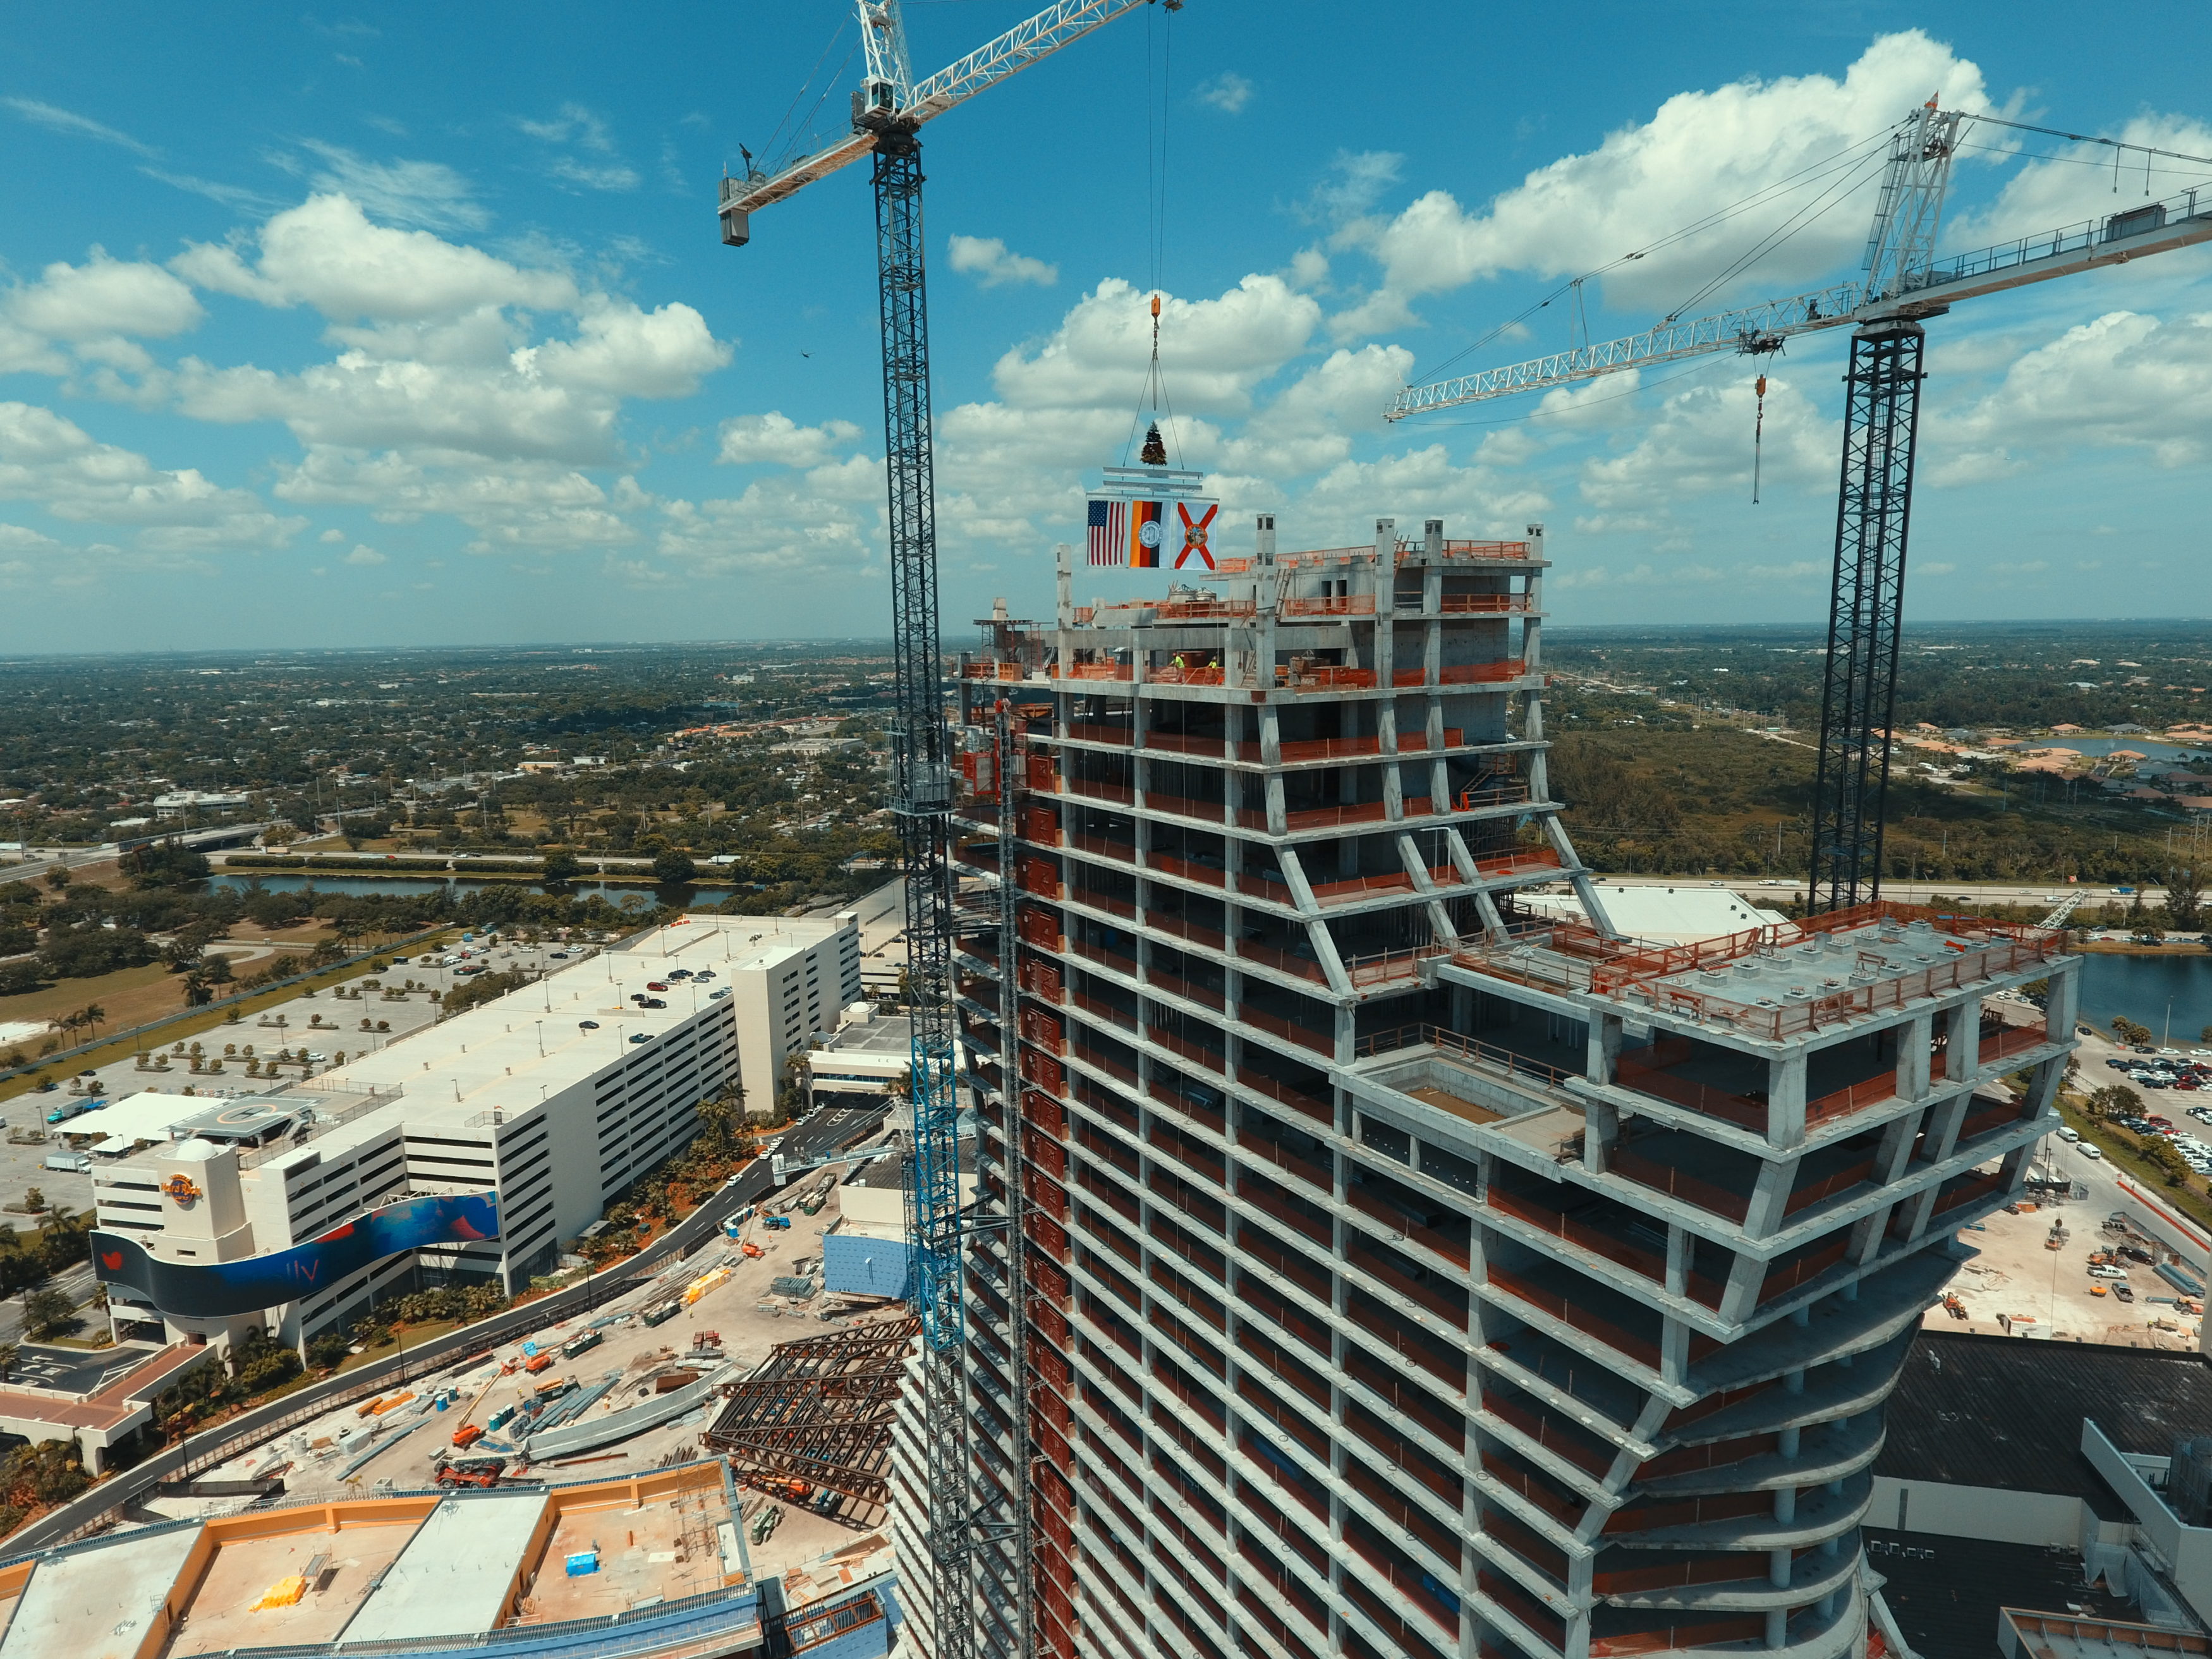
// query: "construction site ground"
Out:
[2016,1278]
[312,1458]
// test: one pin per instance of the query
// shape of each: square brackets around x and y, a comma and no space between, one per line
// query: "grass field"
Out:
[198,1021]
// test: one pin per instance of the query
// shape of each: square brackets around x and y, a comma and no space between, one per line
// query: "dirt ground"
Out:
[2017,1277]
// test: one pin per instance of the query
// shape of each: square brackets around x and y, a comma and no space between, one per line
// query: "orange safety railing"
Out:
[1672,1638]
[1090,731]
[1203,609]
[1780,1280]
[1482,603]
[1192,675]
[1815,1192]
[1467,1048]
[1729,1106]
[1853,1097]
[1327,678]
[1337,604]
[1182,928]
[1183,743]
[1384,966]
[1182,807]
[1650,1264]
[1296,1099]
[1281,961]
[1677,1183]
[1326,892]
[1167,863]
[1323,817]
[1098,670]
[1559,1442]
[2013,1040]
[1122,851]
[1576,1315]
[1320,1043]
[1097,789]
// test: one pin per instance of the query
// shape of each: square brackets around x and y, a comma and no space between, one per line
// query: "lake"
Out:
[2141,988]
[415,887]
[2144,746]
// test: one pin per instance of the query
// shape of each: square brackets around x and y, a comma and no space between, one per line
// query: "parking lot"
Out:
[326,1024]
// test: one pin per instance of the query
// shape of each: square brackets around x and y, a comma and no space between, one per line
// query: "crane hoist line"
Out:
[1906,285]
[981,1553]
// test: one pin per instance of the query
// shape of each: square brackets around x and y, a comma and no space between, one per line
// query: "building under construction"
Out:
[1409,1273]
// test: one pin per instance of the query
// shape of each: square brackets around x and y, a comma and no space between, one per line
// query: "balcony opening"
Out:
[1309,1025]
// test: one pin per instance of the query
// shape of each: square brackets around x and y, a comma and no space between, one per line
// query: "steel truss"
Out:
[820,1410]
[1858,695]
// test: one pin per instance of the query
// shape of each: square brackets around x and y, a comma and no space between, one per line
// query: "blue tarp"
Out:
[853,1265]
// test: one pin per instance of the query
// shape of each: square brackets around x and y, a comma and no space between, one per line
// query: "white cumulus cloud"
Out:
[775,438]
[1699,151]
[988,261]
[1228,92]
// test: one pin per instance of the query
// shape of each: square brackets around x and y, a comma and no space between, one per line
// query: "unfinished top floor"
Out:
[1398,613]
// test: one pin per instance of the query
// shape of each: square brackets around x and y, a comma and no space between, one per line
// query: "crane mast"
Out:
[981,1548]
[1904,284]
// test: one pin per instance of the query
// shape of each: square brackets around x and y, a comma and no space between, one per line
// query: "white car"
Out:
[2069,1134]
[2101,1271]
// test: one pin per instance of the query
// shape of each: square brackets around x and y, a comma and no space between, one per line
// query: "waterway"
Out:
[416,887]
[2145,988]
[2100,746]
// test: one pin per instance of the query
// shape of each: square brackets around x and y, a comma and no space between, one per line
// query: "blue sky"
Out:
[411,325]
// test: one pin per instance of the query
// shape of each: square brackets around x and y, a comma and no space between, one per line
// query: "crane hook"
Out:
[1758,436]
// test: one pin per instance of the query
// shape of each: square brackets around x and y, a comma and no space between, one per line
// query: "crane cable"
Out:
[1155,393]
[1840,160]
[1758,436]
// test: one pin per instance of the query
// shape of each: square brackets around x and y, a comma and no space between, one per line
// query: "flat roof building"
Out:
[554,1097]
[649,1565]
[1409,1273]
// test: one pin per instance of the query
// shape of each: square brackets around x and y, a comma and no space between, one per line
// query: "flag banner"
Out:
[1107,541]
[1194,532]
[1138,532]
[1147,530]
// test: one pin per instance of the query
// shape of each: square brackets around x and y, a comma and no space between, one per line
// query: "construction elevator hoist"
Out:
[1905,285]
[978,1550]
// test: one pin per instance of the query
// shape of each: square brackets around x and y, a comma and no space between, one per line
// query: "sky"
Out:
[412,326]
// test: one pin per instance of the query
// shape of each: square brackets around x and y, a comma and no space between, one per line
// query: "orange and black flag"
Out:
[1146,529]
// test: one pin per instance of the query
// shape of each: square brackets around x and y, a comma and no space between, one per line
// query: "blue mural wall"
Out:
[221,1289]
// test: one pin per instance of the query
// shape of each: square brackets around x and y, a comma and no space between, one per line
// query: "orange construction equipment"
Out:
[538,1363]
[468,1434]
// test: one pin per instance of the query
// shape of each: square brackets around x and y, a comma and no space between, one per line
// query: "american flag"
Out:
[1109,538]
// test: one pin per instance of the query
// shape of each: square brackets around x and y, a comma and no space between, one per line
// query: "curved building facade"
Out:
[1409,1272]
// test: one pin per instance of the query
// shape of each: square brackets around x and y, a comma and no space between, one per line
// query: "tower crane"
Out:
[1905,284]
[978,1551]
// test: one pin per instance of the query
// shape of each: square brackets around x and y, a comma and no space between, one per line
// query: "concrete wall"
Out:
[2185,1551]
[1986,1512]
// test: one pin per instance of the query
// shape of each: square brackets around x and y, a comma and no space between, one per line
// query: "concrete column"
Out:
[1601,1135]
[1678,1261]
[1915,1056]
[1770,1195]
[2061,1006]
[1785,1099]
[1961,1030]
[1604,1046]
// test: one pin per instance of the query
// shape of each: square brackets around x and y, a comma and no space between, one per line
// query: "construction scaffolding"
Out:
[817,1413]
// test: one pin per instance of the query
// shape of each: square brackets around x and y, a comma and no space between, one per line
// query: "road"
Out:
[823,1132]
[1771,890]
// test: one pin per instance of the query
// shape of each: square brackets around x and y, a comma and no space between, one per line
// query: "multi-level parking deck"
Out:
[1407,1277]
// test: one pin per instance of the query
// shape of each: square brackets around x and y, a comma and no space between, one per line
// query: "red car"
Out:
[655,985]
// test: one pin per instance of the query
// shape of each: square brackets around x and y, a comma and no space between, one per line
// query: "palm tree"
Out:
[93,1015]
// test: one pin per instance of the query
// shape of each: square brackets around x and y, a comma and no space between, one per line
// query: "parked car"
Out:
[2105,1270]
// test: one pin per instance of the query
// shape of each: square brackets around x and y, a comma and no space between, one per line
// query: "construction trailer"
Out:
[1409,1273]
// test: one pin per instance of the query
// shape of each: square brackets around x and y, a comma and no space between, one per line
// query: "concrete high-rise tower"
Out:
[1410,1274]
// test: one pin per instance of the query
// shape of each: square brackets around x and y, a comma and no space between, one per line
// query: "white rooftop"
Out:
[1680,914]
[457,1572]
